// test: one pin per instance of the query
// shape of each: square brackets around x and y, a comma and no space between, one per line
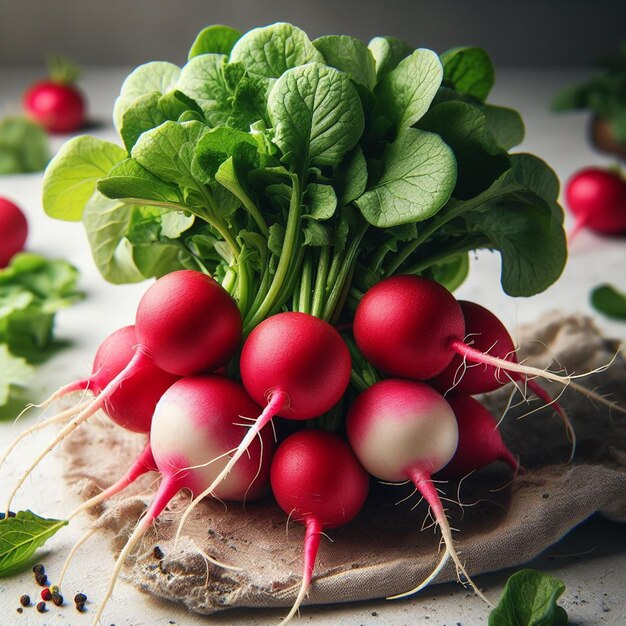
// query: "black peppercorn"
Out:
[80,598]
[25,600]
[57,599]
[41,607]
[39,569]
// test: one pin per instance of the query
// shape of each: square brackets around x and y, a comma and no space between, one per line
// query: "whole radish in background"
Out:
[597,199]
[13,231]
[57,103]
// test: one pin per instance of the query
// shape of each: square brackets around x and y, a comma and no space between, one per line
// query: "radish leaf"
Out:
[20,536]
[609,301]
[215,39]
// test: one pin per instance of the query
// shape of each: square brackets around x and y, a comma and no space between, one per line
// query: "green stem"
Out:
[346,268]
[304,301]
[243,286]
[320,282]
[229,280]
[282,271]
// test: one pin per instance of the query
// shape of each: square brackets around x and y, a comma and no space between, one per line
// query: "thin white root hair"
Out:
[210,559]
[55,419]
[596,397]
[73,551]
[429,579]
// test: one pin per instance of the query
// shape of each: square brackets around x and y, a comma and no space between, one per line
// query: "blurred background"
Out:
[122,32]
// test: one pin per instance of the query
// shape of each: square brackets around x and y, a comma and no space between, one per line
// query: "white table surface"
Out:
[591,561]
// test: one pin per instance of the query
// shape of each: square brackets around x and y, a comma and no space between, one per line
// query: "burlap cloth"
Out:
[384,551]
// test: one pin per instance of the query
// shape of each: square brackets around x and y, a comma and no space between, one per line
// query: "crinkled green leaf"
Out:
[20,536]
[469,71]
[529,599]
[419,174]
[321,201]
[168,151]
[71,176]
[158,76]
[203,79]
[271,50]
[23,146]
[406,93]
[317,115]
[145,114]
[249,103]
[609,301]
[215,39]
[14,371]
[350,55]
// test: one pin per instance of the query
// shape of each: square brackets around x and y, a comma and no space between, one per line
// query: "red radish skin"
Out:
[597,199]
[480,443]
[296,362]
[411,327]
[401,430]
[196,424]
[186,323]
[13,231]
[58,107]
[304,482]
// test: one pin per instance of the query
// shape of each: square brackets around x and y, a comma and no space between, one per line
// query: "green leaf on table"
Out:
[350,55]
[32,290]
[23,146]
[71,177]
[159,76]
[609,301]
[205,81]
[20,536]
[216,39]
[387,53]
[419,174]
[505,125]
[14,372]
[271,50]
[529,599]
[406,93]
[317,115]
[469,71]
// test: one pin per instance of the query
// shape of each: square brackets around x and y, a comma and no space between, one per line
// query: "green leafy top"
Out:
[300,172]
[604,94]
[529,599]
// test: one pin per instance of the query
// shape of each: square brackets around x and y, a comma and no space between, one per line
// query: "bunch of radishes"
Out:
[160,377]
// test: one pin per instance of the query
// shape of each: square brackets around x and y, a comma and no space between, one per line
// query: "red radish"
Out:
[196,425]
[131,406]
[412,327]
[57,103]
[186,323]
[13,231]
[304,482]
[480,442]
[296,362]
[401,429]
[597,199]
